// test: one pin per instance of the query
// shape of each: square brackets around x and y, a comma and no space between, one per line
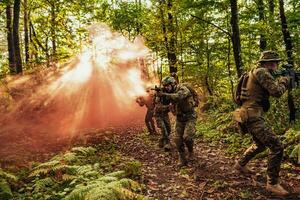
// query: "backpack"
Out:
[241,88]
[194,93]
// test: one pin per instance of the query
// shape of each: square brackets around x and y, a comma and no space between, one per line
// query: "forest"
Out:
[73,73]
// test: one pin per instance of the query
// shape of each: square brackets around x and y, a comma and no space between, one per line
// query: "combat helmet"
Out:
[168,80]
[269,56]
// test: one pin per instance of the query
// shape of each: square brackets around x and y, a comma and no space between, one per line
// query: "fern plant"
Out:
[110,187]
[5,180]
[77,174]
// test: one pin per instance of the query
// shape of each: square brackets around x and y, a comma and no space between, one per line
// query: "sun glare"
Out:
[100,87]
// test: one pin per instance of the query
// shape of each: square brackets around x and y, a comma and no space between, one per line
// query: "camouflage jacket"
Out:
[183,101]
[260,86]
[162,106]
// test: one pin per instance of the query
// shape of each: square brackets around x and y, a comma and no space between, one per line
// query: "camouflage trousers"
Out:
[149,121]
[164,126]
[185,131]
[263,138]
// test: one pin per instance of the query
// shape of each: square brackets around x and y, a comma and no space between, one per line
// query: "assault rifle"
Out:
[294,76]
[157,88]
[290,72]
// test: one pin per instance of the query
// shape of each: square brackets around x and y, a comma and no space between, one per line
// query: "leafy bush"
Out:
[292,144]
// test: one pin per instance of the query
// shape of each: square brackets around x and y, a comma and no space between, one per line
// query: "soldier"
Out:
[183,101]
[254,102]
[148,101]
[161,113]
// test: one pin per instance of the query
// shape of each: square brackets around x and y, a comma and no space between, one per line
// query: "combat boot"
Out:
[242,169]
[167,147]
[161,143]
[182,160]
[276,189]
[191,156]
[190,147]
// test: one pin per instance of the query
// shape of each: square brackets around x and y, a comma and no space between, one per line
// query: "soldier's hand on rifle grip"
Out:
[285,80]
[159,93]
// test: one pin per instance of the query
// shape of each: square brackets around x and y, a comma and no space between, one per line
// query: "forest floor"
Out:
[211,176]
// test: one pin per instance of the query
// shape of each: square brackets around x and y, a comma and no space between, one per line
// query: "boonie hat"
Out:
[269,56]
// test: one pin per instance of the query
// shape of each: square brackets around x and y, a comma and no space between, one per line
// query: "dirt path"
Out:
[211,177]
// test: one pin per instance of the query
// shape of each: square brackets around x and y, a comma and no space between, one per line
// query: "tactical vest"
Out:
[184,107]
[254,95]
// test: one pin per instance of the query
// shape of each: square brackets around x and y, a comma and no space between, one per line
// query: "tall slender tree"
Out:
[271,19]
[26,32]
[10,41]
[53,28]
[172,42]
[289,51]
[17,51]
[286,33]
[236,42]
[261,15]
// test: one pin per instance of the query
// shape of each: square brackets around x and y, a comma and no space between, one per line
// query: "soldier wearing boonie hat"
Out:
[259,86]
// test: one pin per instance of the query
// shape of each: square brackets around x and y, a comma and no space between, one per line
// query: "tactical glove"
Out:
[285,81]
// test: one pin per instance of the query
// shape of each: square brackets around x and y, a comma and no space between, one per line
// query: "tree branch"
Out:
[216,26]
[36,39]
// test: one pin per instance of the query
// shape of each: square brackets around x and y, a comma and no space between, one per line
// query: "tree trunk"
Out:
[172,49]
[34,50]
[138,3]
[289,51]
[208,69]
[229,68]
[26,33]
[163,25]
[272,23]
[261,15]
[10,42]
[16,36]
[236,43]
[271,10]
[286,34]
[35,38]
[53,33]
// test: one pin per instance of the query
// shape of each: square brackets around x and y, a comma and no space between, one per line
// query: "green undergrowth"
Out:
[98,172]
[217,127]
[234,142]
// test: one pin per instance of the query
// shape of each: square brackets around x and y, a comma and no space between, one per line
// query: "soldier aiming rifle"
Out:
[252,94]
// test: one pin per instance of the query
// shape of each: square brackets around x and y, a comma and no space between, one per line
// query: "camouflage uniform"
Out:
[148,101]
[260,86]
[161,113]
[186,118]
